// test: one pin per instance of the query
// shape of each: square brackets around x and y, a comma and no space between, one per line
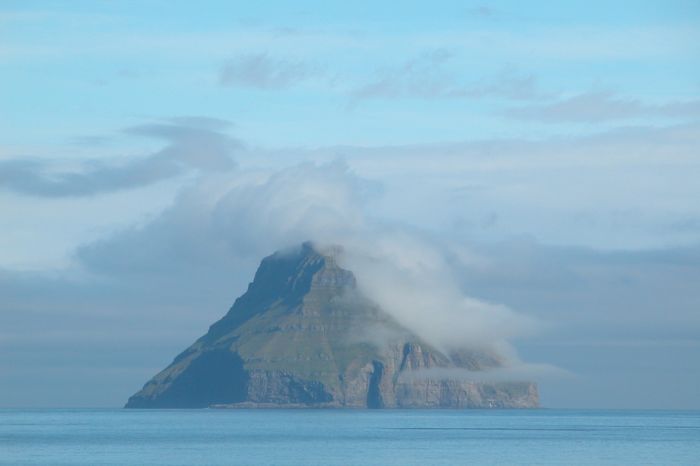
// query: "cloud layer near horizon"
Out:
[169,276]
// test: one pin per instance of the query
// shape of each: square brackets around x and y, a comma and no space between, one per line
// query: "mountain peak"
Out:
[302,334]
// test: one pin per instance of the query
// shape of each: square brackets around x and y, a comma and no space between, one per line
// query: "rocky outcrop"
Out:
[301,336]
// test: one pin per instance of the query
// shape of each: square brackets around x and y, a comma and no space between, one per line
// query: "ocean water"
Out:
[348,437]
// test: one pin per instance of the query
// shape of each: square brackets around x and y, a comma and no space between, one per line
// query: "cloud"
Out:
[612,317]
[592,107]
[410,278]
[177,273]
[509,84]
[481,11]
[179,270]
[561,190]
[221,221]
[428,77]
[133,299]
[589,294]
[192,144]
[419,77]
[598,304]
[260,71]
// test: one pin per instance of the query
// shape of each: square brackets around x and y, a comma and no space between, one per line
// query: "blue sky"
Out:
[120,62]
[558,141]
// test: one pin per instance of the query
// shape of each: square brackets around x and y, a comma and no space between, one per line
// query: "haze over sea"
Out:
[346,437]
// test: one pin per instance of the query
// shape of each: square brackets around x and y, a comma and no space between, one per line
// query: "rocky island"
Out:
[303,336]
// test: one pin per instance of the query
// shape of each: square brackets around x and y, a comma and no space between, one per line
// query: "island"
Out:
[303,336]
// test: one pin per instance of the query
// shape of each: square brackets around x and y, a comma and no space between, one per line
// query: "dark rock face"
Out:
[299,337]
[215,376]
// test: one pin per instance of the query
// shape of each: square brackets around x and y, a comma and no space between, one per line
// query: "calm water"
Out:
[326,437]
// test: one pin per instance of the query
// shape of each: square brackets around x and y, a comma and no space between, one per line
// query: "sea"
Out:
[348,437]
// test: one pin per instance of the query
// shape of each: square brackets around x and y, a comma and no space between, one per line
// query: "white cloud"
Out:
[409,277]
[226,219]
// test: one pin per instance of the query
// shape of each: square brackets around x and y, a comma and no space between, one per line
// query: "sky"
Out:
[541,160]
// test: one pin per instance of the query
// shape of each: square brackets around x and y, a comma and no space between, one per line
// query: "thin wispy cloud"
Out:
[191,144]
[421,77]
[591,107]
[428,76]
[509,85]
[482,11]
[261,71]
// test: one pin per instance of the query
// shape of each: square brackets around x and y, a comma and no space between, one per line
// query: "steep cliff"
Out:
[302,336]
